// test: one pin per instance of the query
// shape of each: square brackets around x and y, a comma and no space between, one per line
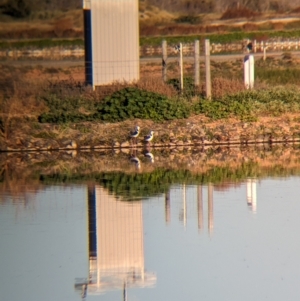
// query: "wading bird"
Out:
[149,137]
[134,134]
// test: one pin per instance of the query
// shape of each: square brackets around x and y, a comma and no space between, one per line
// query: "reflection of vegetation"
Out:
[138,185]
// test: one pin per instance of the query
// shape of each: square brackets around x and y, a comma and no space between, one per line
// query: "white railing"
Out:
[152,51]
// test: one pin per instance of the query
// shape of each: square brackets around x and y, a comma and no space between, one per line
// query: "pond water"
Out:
[233,241]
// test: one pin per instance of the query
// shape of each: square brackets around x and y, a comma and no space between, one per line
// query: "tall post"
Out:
[197,63]
[164,60]
[249,71]
[181,66]
[207,69]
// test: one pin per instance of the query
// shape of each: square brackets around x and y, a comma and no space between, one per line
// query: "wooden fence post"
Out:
[181,66]
[164,60]
[207,69]
[197,63]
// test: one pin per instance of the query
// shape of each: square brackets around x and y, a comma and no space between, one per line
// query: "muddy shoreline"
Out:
[196,131]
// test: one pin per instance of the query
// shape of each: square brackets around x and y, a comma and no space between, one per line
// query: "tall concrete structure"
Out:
[111,41]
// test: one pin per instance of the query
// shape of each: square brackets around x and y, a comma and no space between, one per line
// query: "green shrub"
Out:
[132,103]
[128,103]
[190,19]
[248,105]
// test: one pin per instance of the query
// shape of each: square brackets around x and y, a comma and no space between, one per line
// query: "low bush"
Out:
[248,105]
[190,19]
[127,103]
[132,103]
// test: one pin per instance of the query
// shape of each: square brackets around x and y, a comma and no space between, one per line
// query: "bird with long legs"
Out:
[148,138]
[134,134]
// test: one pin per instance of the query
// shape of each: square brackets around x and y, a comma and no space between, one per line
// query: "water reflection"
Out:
[154,234]
[251,194]
[116,245]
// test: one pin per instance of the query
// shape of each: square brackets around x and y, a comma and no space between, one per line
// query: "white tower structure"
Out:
[111,41]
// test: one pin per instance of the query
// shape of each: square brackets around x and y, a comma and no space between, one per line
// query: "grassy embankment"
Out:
[38,95]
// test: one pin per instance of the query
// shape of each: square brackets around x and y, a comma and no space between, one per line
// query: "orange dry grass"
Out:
[222,86]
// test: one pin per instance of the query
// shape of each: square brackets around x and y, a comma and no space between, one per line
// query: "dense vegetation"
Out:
[131,103]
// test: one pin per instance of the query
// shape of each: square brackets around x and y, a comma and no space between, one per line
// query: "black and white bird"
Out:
[134,134]
[136,161]
[149,156]
[149,137]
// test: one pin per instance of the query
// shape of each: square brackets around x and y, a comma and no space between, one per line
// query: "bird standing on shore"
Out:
[149,137]
[134,134]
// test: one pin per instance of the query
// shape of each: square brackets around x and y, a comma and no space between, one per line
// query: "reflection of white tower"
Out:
[251,194]
[115,244]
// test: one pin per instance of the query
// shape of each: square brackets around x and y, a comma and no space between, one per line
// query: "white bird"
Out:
[149,137]
[134,134]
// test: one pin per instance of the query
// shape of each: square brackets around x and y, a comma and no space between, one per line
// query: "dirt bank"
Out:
[194,131]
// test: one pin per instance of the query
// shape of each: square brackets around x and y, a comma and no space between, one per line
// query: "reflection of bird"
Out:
[134,134]
[150,156]
[149,137]
[136,161]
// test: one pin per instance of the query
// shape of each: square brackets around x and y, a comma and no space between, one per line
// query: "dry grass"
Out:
[153,22]
[239,12]
[222,86]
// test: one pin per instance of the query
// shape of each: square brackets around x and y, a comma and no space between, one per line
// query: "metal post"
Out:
[197,63]
[164,60]
[207,69]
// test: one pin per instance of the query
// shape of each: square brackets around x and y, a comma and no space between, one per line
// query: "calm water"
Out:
[230,242]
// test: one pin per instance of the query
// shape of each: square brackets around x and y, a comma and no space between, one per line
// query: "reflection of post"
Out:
[184,204]
[124,292]
[251,193]
[210,208]
[200,207]
[167,206]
